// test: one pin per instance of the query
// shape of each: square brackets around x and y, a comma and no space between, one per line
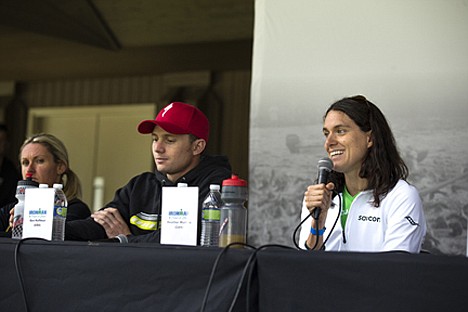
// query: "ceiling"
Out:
[56,39]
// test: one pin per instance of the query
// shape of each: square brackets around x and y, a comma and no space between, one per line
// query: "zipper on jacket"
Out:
[342,230]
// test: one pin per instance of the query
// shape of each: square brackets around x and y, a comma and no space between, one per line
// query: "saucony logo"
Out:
[411,221]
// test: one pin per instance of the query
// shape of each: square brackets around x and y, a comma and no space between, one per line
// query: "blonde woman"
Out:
[45,158]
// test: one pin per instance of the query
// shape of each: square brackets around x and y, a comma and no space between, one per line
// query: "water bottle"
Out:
[210,217]
[18,216]
[233,212]
[60,213]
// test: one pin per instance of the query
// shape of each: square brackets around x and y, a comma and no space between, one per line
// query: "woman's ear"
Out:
[370,141]
[61,168]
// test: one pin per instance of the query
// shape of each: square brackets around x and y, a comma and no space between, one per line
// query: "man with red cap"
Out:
[180,133]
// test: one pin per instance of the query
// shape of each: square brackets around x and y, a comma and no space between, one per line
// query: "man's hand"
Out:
[111,221]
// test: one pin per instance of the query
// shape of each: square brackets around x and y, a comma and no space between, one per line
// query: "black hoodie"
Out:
[139,202]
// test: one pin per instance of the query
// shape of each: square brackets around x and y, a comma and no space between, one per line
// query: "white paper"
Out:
[38,213]
[179,215]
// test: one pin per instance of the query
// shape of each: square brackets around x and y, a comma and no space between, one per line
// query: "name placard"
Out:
[179,215]
[38,213]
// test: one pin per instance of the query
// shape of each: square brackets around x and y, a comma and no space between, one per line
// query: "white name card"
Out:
[179,215]
[38,213]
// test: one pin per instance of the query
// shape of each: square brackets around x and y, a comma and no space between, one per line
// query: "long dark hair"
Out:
[383,165]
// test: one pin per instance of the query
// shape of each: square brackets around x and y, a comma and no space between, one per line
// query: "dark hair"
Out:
[192,137]
[383,165]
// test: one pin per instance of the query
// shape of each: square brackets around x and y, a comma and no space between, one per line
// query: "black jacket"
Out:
[139,202]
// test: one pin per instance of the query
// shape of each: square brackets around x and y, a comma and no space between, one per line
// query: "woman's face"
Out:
[345,143]
[39,162]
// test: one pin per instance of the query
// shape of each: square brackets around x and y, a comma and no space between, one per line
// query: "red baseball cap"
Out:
[179,118]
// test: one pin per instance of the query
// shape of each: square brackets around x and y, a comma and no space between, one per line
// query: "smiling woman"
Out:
[368,192]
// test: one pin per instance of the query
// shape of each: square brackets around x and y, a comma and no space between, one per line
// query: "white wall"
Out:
[410,58]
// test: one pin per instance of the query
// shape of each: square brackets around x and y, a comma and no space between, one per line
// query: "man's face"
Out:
[174,154]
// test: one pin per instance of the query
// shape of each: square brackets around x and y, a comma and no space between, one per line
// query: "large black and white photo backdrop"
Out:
[410,58]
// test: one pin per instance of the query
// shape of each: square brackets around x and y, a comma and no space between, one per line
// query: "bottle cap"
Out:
[29,183]
[215,187]
[43,185]
[234,181]
[234,189]
[58,185]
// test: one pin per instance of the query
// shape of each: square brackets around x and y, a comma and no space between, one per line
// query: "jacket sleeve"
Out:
[84,230]
[87,229]
[77,210]
[153,237]
[406,225]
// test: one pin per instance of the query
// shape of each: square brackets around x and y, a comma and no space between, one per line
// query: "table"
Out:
[80,276]
[295,281]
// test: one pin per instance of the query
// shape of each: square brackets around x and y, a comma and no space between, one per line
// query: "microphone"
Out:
[324,165]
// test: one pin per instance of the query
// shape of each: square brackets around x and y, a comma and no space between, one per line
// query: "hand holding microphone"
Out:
[318,196]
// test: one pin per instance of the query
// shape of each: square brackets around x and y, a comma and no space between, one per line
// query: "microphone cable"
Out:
[253,257]
[19,273]
[336,220]
[300,224]
[214,268]
[310,214]
[297,229]
[246,271]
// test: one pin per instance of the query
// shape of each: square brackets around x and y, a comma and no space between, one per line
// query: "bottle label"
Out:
[20,190]
[60,211]
[211,214]
[17,231]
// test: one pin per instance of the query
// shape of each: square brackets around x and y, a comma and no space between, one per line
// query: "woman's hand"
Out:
[319,196]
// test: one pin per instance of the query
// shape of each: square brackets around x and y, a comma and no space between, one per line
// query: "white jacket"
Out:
[398,224]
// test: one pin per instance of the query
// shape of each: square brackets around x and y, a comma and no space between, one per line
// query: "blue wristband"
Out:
[314,232]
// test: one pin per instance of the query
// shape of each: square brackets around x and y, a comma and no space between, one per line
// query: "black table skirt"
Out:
[77,276]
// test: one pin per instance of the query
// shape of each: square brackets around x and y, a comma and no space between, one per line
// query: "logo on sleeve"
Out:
[411,221]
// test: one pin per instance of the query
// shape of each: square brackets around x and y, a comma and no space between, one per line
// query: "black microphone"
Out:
[324,165]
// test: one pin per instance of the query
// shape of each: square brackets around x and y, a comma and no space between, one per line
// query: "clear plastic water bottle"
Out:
[233,212]
[60,213]
[18,216]
[210,218]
